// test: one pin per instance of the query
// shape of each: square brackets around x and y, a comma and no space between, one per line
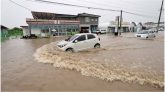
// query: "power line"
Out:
[110,4]
[20,5]
[137,14]
[50,2]
[81,6]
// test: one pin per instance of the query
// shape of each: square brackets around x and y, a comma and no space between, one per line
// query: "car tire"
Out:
[69,50]
[146,37]
[97,45]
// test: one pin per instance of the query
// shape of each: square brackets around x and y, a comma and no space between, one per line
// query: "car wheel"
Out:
[146,37]
[69,50]
[97,46]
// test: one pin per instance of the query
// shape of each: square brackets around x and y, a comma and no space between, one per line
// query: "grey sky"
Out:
[13,15]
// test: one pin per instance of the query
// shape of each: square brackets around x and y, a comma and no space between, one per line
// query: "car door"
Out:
[151,34]
[80,43]
[91,40]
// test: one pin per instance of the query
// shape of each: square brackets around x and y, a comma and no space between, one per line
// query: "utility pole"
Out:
[29,27]
[117,26]
[120,23]
[160,15]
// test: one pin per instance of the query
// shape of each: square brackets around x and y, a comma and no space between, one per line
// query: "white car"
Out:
[101,31]
[79,42]
[146,34]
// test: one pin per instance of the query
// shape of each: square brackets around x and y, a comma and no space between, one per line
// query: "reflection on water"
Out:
[127,60]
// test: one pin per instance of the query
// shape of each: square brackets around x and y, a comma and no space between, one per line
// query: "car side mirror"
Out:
[75,41]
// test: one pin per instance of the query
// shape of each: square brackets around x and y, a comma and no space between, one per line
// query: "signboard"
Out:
[56,22]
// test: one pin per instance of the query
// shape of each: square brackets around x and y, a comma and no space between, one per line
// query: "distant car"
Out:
[32,36]
[161,29]
[101,31]
[79,42]
[153,29]
[146,34]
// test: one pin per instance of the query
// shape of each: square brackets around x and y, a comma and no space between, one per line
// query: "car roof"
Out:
[85,33]
[142,31]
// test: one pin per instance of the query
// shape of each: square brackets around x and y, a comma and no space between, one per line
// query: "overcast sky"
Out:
[13,15]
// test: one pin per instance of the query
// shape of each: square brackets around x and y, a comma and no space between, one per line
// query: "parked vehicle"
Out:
[32,36]
[101,31]
[79,42]
[146,34]
[161,29]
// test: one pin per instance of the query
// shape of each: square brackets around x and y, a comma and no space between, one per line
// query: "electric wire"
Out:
[73,5]
[80,6]
[20,5]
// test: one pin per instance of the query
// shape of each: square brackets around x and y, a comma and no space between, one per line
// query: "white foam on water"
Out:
[50,54]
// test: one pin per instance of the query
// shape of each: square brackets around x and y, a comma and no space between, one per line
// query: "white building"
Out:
[113,26]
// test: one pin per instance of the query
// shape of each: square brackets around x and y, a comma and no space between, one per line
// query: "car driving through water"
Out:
[79,42]
[146,34]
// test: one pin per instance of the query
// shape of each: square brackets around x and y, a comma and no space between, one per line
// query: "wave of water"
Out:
[50,54]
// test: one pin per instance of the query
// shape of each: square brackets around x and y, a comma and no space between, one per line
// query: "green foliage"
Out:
[15,31]
[72,33]
[11,32]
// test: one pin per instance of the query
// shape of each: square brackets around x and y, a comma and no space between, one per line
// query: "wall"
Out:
[36,31]
[25,31]
[92,20]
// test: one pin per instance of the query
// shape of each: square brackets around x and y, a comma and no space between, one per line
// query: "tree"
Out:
[15,31]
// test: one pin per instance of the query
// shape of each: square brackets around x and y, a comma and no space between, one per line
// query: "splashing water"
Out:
[50,54]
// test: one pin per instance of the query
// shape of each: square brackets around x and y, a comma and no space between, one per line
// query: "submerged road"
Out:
[21,72]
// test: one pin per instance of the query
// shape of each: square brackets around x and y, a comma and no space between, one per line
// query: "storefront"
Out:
[46,24]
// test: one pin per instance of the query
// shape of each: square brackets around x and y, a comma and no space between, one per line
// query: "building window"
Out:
[45,30]
[96,20]
[87,19]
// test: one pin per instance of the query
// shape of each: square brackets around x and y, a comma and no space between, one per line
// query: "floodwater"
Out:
[122,63]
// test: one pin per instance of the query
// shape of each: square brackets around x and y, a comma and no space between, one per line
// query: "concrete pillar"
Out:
[29,27]
[58,30]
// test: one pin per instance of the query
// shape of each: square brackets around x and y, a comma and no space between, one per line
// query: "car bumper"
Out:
[141,36]
[61,48]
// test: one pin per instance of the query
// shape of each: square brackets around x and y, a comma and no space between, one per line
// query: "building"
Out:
[4,31]
[133,27]
[140,27]
[153,25]
[103,26]
[113,25]
[45,24]
[25,30]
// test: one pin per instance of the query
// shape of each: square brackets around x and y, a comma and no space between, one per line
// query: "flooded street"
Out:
[122,63]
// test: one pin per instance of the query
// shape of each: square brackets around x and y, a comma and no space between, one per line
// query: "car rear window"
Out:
[81,38]
[143,32]
[90,36]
